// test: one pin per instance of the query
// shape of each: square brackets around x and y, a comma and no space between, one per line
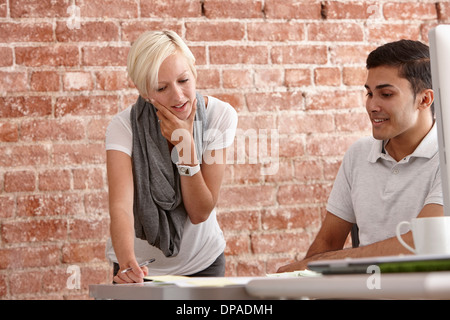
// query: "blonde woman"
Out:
[166,157]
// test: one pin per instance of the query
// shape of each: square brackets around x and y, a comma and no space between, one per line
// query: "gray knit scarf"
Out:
[159,213]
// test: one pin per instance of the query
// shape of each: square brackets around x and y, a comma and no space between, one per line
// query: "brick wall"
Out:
[296,67]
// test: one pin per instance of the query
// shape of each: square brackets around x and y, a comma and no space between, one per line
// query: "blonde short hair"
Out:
[148,53]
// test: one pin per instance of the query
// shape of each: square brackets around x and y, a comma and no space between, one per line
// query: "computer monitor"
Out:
[439,38]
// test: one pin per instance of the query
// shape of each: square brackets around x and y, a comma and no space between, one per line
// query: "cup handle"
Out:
[399,236]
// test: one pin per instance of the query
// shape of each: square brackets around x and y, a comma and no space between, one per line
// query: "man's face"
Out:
[390,103]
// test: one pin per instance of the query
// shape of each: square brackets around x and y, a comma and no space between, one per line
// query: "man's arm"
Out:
[328,246]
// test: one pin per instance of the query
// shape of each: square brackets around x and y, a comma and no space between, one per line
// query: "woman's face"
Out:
[176,86]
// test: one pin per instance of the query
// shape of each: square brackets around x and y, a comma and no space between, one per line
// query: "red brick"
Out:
[237,244]
[34,231]
[282,9]
[249,268]
[63,55]
[289,218]
[54,180]
[246,196]
[443,11]
[77,81]
[104,56]
[306,123]
[131,30]
[300,193]
[83,252]
[208,78]
[351,122]
[3,12]
[24,156]
[96,203]
[3,278]
[237,55]
[334,100]
[391,32]
[350,10]
[233,9]
[65,154]
[41,205]
[13,81]
[52,130]
[27,282]
[171,8]
[269,78]
[214,31]
[409,11]
[297,77]
[354,76]
[7,206]
[291,146]
[13,107]
[6,57]
[96,129]
[86,105]
[335,32]
[17,181]
[30,257]
[26,32]
[329,146]
[87,178]
[306,170]
[237,79]
[9,132]
[327,76]
[88,31]
[276,31]
[292,54]
[239,220]
[276,101]
[39,8]
[350,54]
[93,228]
[119,9]
[109,80]
[278,242]
[44,81]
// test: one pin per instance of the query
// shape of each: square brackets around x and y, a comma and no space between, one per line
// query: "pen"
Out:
[140,265]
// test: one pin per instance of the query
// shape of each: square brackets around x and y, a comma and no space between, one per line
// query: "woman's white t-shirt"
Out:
[202,243]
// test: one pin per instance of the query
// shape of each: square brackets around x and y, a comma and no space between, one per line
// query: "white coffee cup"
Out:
[431,235]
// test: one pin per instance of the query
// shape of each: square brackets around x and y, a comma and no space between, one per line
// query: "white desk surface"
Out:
[423,285]
[150,291]
[420,285]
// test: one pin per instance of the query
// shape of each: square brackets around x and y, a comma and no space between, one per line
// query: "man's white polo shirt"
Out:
[375,191]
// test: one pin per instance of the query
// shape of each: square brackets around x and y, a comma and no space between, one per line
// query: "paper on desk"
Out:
[182,281]
[293,274]
[166,278]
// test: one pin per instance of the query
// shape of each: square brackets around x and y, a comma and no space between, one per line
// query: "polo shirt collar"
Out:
[427,148]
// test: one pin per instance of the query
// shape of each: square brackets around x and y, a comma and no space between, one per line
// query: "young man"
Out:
[392,176]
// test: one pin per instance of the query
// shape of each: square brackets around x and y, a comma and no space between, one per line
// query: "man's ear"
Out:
[426,99]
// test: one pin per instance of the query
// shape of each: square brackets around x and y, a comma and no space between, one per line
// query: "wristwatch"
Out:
[187,170]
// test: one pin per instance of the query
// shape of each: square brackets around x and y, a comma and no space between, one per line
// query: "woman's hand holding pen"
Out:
[136,274]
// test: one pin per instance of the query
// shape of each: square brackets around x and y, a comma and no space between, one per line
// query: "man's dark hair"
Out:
[412,58]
